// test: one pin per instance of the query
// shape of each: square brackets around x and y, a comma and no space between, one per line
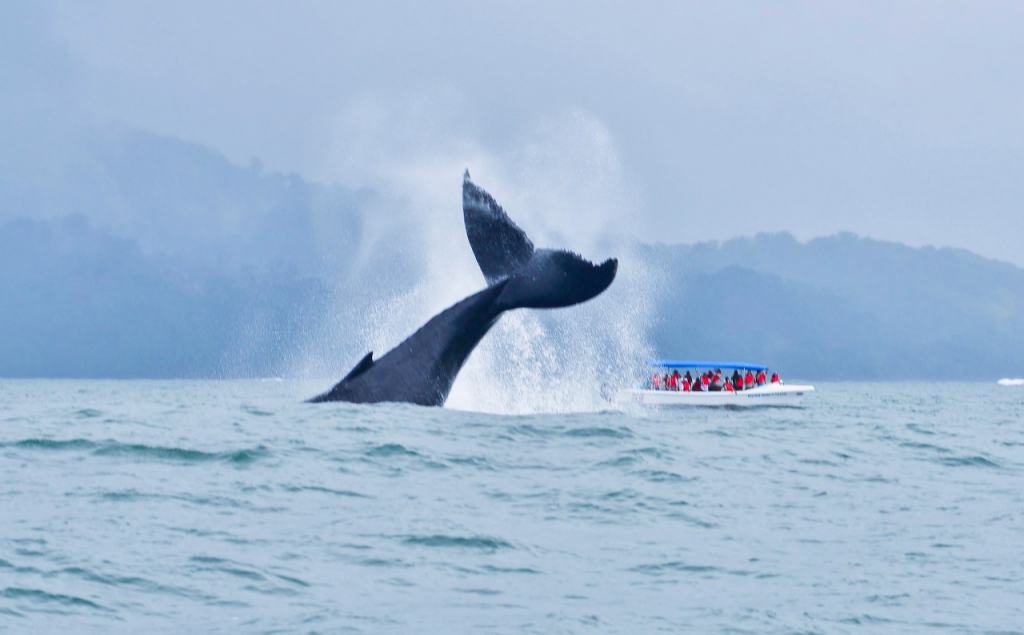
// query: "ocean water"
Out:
[223,506]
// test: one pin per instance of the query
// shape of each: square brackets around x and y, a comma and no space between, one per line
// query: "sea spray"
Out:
[564,185]
[568,360]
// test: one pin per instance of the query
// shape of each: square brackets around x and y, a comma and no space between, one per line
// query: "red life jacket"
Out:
[672,383]
[728,386]
[686,385]
[775,378]
[761,377]
[749,379]
[705,380]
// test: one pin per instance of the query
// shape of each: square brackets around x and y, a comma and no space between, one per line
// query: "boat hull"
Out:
[770,395]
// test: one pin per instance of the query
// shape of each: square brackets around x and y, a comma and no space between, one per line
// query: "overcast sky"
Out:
[898,120]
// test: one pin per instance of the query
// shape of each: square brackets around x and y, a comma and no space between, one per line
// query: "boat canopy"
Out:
[687,363]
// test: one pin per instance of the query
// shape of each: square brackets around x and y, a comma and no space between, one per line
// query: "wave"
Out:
[137,450]
[597,431]
[483,543]
[673,566]
[52,444]
[663,476]
[526,429]
[244,571]
[294,489]
[968,461]
[38,595]
[1007,381]
[391,449]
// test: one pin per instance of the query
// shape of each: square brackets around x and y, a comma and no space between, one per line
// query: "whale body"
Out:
[422,369]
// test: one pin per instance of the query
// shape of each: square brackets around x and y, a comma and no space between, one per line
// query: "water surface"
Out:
[234,507]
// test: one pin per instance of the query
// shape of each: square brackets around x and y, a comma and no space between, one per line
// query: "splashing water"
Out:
[571,360]
[563,184]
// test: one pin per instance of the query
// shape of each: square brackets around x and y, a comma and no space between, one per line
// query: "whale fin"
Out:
[553,279]
[499,245]
[364,365]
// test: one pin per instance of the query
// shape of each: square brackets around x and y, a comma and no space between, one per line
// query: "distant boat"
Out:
[768,394]
[1011,382]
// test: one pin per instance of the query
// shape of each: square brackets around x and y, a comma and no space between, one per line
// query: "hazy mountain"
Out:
[78,301]
[843,306]
[134,254]
[183,200]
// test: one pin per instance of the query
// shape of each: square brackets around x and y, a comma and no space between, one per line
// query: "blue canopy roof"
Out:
[688,363]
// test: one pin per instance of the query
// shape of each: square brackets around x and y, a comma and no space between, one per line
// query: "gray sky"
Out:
[897,120]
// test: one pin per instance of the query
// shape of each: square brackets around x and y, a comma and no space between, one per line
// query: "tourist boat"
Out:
[771,394]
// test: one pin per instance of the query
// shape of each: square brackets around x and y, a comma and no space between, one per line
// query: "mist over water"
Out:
[226,506]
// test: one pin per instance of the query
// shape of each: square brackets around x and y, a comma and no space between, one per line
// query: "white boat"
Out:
[767,395]
[1011,382]
[770,394]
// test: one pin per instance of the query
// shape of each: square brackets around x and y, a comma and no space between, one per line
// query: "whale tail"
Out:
[422,367]
[537,278]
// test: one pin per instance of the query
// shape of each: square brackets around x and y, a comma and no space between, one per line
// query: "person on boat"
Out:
[689,377]
[684,384]
[655,381]
[748,380]
[776,379]
[672,383]
[716,383]
[705,381]
[728,385]
[737,380]
[678,379]
[762,379]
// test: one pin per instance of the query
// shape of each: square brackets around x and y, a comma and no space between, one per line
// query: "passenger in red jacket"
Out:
[748,380]
[673,383]
[775,378]
[656,381]
[762,378]
[728,385]
[684,385]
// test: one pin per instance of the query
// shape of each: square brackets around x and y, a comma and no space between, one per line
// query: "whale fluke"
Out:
[499,245]
[540,278]
[423,367]
[553,278]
